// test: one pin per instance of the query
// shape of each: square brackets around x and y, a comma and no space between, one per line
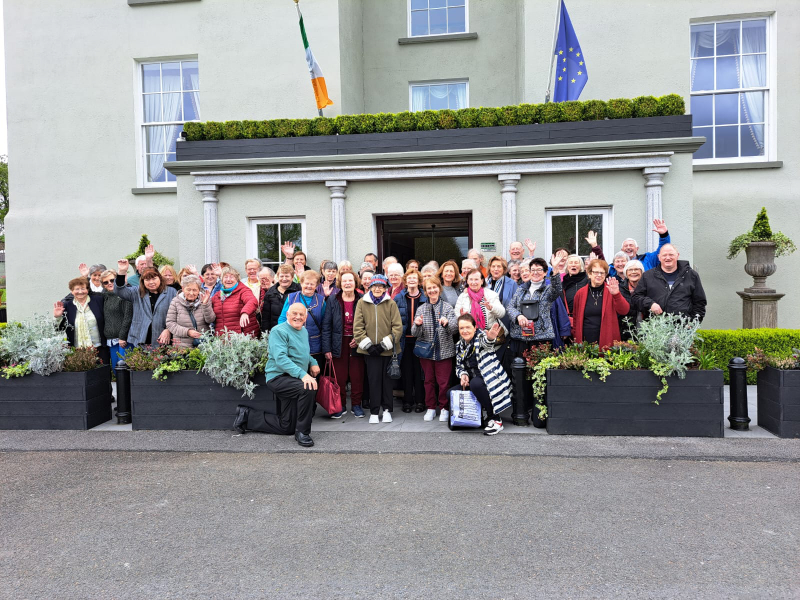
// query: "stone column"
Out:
[653,182]
[211,222]
[760,310]
[338,189]
[508,198]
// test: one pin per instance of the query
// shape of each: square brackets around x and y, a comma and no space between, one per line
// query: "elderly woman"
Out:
[529,310]
[476,255]
[409,302]
[330,272]
[395,274]
[117,314]
[633,271]
[450,279]
[480,371]
[377,331]
[190,313]
[266,278]
[366,277]
[82,317]
[251,269]
[275,297]
[524,272]
[558,261]
[620,260]
[151,300]
[482,303]
[315,307]
[499,282]
[513,271]
[170,277]
[428,271]
[338,343]
[435,323]
[235,306]
[598,307]
[574,279]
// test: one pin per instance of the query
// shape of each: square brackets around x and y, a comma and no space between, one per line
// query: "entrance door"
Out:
[425,237]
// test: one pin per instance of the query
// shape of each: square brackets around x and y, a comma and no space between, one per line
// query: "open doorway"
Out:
[425,237]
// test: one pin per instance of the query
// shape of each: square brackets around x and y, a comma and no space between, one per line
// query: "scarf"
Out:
[497,285]
[192,304]
[85,322]
[96,288]
[375,300]
[476,309]
[225,292]
[465,349]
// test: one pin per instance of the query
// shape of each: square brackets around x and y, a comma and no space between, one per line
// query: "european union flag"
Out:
[571,74]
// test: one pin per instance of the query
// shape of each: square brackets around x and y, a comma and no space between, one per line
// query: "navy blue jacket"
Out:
[333,324]
[402,304]
[70,311]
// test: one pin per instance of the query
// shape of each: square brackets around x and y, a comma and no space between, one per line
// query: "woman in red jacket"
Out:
[235,305]
[596,307]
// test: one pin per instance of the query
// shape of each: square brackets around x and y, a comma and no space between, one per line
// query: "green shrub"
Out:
[447,119]
[594,110]
[232,130]
[528,114]
[405,121]
[194,131]
[81,359]
[266,129]
[366,123]
[488,117]
[384,123]
[467,117]
[427,120]
[214,130]
[250,129]
[507,115]
[323,126]
[282,128]
[552,112]
[727,343]
[619,108]
[761,232]
[645,106]
[347,124]
[572,110]
[302,127]
[670,105]
[159,260]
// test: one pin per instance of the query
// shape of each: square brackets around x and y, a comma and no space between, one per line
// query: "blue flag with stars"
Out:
[571,74]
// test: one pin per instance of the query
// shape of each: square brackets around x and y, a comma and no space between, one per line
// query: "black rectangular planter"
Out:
[623,404]
[440,139]
[779,402]
[190,401]
[59,401]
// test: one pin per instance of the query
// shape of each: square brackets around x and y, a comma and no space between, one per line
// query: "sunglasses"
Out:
[109,282]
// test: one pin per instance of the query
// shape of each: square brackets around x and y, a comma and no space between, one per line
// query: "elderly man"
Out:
[290,376]
[372,259]
[387,262]
[143,262]
[517,251]
[650,259]
[477,256]
[670,287]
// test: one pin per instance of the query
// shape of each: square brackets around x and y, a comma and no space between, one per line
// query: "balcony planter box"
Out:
[188,400]
[60,401]
[779,402]
[623,404]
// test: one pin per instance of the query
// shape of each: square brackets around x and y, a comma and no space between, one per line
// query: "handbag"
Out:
[393,370]
[424,348]
[328,392]
[195,341]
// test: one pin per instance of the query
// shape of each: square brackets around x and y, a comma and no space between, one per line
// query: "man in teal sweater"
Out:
[288,377]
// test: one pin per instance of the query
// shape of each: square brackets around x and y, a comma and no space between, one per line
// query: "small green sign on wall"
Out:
[488,248]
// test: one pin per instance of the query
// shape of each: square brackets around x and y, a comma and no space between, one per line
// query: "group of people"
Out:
[446,326]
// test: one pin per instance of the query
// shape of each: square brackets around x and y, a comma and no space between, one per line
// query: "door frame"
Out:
[381,219]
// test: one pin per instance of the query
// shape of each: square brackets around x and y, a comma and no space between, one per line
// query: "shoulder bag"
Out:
[424,348]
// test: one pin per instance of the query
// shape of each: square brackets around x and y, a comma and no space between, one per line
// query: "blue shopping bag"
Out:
[465,410]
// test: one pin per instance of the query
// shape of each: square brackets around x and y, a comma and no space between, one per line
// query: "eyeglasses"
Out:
[603,273]
[537,270]
[109,282]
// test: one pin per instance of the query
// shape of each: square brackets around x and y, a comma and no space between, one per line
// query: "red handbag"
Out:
[328,393]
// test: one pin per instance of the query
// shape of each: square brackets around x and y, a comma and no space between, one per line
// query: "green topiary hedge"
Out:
[727,343]
[522,114]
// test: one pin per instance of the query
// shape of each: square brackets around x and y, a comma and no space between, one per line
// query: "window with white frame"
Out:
[438,96]
[730,88]
[436,17]
[567,228]
[268,235]
[170,96]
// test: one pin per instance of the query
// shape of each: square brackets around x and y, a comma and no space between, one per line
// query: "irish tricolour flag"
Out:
[317,79]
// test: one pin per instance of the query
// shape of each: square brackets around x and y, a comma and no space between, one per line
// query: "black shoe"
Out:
[304,439]
[241,419]
[407,408]
[420,408]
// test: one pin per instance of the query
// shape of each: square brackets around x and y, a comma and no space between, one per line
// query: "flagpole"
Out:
[300,16]
[552,52]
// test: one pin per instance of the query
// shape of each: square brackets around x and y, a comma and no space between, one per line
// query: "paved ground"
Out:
[120,524]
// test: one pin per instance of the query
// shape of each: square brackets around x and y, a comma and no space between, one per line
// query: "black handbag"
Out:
[393,370]
[424,348]
[530,309]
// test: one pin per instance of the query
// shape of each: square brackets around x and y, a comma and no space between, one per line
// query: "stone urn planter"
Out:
[760,265]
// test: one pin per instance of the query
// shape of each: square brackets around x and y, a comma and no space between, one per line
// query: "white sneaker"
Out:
[444,416]
[373,419]
[429,414]
[387,416]
[493,428]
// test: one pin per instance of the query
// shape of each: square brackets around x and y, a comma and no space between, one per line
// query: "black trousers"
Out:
[296,404]
[478,387]
[380,384]
[411,375]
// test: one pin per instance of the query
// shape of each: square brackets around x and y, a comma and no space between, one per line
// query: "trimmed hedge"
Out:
[522,114]
[727,343]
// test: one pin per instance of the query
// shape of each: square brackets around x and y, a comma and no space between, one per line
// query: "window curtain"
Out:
[461,96]
[754,40]
[194,80]
[419,97]
[705,40]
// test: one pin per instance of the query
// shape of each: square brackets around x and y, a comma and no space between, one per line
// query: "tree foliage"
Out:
[3,195]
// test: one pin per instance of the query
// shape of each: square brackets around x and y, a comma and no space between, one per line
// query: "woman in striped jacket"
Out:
[479,369]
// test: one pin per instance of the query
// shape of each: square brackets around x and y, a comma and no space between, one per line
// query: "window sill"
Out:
[445,37]
[146,2]
[774,164]
[155,190]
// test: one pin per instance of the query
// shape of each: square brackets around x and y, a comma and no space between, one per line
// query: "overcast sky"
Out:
[3,127]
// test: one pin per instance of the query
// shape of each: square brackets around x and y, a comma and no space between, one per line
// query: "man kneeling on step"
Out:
[288,367]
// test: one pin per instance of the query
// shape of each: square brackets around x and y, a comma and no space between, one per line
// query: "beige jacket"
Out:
[179,323]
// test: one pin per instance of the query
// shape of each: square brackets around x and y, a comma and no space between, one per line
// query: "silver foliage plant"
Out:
[233,358]
[18,343]
[668,339]
[48,355]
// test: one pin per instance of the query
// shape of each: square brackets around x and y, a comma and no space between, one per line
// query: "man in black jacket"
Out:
[671,287]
